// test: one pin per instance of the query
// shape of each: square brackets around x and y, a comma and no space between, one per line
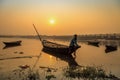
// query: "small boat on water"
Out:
[94,43]
[13,43]
[110,48]
[57,48]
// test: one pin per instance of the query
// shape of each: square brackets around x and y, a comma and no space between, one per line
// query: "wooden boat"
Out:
[13,43]
[94,43]
[110,48]
[57,48]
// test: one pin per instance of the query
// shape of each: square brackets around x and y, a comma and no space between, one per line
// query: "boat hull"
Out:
[58,48]
[110,48]
[96,43]
[64,51]
[14,43]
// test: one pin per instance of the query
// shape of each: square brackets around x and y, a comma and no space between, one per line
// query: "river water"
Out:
[30,49]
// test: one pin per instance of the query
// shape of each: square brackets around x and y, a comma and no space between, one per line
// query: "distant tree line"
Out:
[114,36]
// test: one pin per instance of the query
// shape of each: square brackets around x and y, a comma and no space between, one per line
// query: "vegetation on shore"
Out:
[68,73]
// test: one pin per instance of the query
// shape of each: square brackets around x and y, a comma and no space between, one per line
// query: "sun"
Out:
[52,21]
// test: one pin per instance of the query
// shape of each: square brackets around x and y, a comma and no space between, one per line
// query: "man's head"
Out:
[75,36]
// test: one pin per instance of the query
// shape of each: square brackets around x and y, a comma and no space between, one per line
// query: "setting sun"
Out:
[52,21]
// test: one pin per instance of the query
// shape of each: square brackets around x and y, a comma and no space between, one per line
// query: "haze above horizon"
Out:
[59,17]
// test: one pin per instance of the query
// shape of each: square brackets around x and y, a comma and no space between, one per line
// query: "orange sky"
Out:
[71,16]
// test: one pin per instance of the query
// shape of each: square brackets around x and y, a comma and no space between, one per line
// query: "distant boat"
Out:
[94,43]
[57,48]
[110,48]
[13,43]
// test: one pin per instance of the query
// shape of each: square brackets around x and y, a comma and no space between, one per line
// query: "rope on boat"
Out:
[37,33]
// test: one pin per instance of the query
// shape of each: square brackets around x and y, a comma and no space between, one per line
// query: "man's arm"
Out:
[75,43]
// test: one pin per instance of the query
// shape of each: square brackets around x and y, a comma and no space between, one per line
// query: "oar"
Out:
[37,32]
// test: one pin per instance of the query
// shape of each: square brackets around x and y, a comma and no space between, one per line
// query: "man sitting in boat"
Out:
[73,44]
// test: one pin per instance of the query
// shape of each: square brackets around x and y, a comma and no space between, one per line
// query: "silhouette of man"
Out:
[73,44]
